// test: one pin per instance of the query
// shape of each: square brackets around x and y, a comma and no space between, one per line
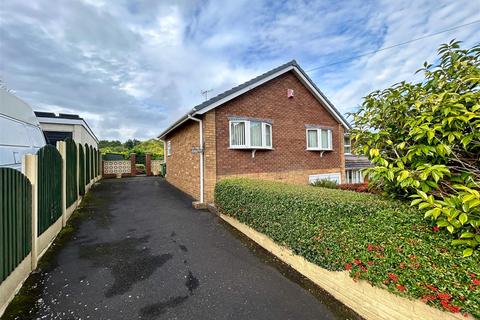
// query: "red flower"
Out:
[370,263]
[454,309]
[348,266]
[471,287]
[357,262]
[370,247]
[400,287]
[428,297]
[445,304]
[402,265]
[436,229]
[476,282]
[444,296]
[431,287]
[393,277]
[364,269]
[473,275]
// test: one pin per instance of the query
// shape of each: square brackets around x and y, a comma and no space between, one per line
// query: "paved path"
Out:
[137,250]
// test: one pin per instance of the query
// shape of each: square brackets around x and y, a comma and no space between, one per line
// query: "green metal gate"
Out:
[49,187]
[15,220]
[71,171]
[81,171]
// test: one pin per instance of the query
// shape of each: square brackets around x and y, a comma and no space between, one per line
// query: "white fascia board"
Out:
[64,121]
[173,128]
[244,90]
[302,78]
[319,97]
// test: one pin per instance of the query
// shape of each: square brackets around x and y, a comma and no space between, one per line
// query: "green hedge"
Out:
[383,241]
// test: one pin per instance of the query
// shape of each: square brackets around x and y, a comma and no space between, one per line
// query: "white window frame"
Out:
[347,145]
[319,139]
[169,148]
[247,144]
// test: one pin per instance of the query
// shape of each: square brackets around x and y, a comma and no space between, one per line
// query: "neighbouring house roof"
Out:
[253,83]
[356,162]
[64,118]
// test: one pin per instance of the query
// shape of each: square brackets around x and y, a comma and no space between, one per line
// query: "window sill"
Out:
[318,149]
[250,148]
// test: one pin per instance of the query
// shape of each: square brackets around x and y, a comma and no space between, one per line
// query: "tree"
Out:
[424,140]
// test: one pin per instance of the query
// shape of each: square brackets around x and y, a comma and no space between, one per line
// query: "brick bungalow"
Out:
[277,126]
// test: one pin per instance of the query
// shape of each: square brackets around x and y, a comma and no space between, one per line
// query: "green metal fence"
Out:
[15,220]
[49,187]
[87,164]
[81,170]
[71,171]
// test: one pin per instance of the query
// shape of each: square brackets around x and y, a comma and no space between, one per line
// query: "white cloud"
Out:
[131,68]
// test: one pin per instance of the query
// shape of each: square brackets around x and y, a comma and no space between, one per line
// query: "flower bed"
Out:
[379,240]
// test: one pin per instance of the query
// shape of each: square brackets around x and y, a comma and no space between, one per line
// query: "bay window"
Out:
[319,139]
[250,134]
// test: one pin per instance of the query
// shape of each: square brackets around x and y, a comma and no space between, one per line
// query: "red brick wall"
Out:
[289,116]
[183,165]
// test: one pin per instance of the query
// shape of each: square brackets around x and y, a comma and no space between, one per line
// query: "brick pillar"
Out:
[133,161]
[148,164]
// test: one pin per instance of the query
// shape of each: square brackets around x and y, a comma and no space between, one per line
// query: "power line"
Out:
[395,45]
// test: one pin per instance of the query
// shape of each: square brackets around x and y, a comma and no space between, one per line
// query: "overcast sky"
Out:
[130,68]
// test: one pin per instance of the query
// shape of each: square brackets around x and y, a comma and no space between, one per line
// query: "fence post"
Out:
[133,162]
[29,169]
[78,171]
[61,147]
[148,164]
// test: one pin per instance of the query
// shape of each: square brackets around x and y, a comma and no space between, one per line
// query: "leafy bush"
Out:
[324,183]
[383,241]
[424,140]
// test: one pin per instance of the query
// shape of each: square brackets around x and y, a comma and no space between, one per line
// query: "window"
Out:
[169,148]
[319,139]
[245,134]
[354,176]
[335,177]
[347,145]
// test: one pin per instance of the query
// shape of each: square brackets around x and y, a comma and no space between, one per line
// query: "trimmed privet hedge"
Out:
[383,241]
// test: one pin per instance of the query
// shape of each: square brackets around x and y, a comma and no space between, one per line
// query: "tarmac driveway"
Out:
[138,250]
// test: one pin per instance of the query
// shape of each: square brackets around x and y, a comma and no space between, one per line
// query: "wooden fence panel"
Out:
[87,164]
[92,163]
[49,187]
[81,170]
[71,172]
[94,169]
[15,220]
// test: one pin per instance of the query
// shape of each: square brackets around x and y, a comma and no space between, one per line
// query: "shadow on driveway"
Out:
[138,250]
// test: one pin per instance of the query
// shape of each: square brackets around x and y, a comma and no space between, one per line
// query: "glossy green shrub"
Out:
[380,240]
[325,183]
